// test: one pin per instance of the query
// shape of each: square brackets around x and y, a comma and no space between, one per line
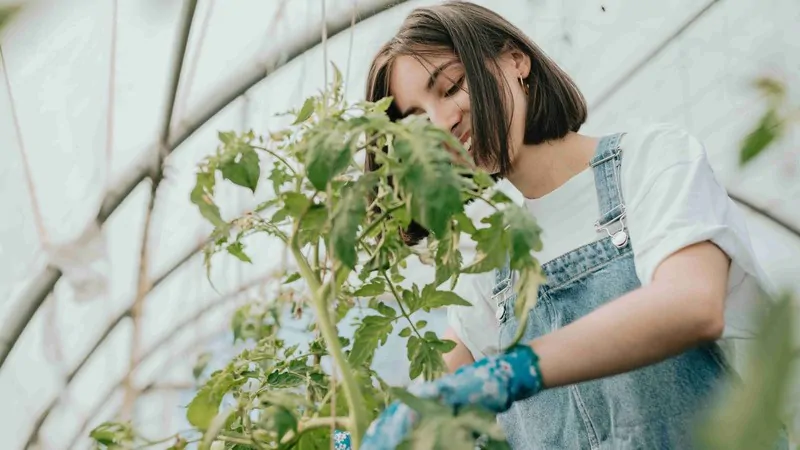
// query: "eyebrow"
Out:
[432,79]
[438,71]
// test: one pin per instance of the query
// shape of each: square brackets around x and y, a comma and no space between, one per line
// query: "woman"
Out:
[648,261]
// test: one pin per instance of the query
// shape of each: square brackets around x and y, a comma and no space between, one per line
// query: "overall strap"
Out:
[606,166]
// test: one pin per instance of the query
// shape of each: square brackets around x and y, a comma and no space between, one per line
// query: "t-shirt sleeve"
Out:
[475,325]
[674,200]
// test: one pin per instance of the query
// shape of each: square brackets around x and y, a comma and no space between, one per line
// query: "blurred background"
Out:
[102,284]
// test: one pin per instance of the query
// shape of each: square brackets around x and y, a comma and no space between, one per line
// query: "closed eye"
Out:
[455,88]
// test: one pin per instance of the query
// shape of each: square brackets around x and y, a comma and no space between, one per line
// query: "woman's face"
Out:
[436,86]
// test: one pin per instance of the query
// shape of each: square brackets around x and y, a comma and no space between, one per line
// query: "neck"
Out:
[542,168]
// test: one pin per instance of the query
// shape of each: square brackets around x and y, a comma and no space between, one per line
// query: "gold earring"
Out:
[524,85]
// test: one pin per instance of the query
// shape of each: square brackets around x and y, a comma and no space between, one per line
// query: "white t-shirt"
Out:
[672,199]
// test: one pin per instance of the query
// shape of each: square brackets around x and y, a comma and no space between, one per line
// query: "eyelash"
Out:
[455,88]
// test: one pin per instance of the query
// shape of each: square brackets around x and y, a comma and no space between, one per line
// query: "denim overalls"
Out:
[649,408]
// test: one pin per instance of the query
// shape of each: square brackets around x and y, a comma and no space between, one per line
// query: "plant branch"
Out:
[378,221]
[355,400]
[316,423]
[276,155]
[400,303]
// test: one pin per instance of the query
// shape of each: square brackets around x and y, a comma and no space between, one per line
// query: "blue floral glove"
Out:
[494,382]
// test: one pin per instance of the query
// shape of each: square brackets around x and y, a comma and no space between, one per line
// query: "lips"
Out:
[466,140]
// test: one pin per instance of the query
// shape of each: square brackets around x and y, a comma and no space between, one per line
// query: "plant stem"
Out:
[355,400]
[400,303]
[279,157]
[379,220]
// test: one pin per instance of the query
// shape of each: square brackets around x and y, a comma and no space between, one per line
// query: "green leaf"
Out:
[405,332]
[491,245]
[385,310]
[313,224]
[295,203]
[330,152]
[318,438]
[382,105]
[202,195]
[531,277]
[237,249]
[769,129]
[113,434]
[373,288]
[373,331]
[347,217]
[432,298]
[425,357]
[430,182]
[305,111]
[279,419]
[241,166]
[7,12]
[524,236]
[200,365]
[772,88]
[292,278]
[421,324]
[203,408]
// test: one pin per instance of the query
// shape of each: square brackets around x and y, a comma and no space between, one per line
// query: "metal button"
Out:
[620,238]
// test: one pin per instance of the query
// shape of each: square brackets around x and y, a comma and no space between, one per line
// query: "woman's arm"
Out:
[458,356]
[682,307]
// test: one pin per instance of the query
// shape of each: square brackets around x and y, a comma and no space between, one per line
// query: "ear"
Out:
[521,62]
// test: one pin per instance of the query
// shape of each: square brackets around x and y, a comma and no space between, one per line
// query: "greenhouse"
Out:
[114,314]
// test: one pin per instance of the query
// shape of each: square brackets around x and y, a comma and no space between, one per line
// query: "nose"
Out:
[446,114]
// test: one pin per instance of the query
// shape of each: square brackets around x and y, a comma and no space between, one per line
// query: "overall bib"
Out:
[650,408]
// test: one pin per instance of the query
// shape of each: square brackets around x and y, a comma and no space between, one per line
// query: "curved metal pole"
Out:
[41,285]
[199,314]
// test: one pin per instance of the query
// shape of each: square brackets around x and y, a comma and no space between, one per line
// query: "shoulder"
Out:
[652,148]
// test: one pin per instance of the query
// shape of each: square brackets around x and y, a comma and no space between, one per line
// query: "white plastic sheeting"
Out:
[689,62]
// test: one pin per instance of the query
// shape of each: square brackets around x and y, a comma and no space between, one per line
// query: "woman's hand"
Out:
[494,383]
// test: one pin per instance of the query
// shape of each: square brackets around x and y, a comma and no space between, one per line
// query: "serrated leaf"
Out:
[432,298]
[347,217]
[330,152]
[237,249]
[428,178]
[295,203]
[382,105]
[305,111]
[374,288]
[373,331]
[242,167]
[425,359]
[313,224]
[491,245]
[769,129]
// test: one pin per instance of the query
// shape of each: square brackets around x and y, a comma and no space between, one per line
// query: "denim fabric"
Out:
[649,408]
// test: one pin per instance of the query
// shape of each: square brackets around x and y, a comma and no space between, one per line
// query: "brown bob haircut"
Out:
[477,36]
